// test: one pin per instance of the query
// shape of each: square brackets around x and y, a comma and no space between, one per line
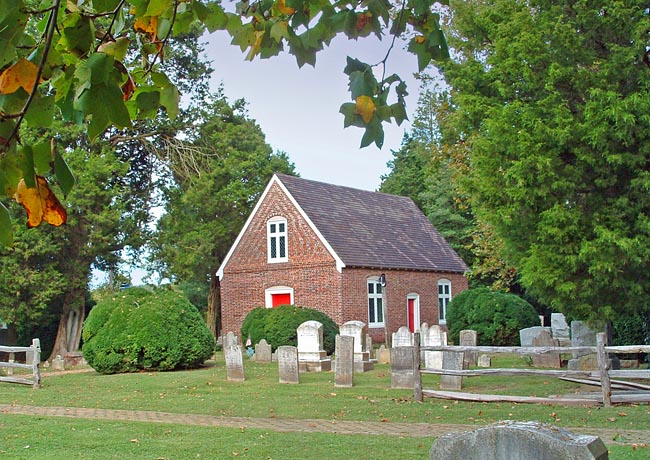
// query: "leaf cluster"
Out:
[137,329]
[279,325]
[497,317]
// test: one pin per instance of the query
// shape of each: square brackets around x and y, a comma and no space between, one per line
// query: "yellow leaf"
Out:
[420,39]
[365,107]
[20,75]
[147,25]
[40,203]
[282,7]
[255,48]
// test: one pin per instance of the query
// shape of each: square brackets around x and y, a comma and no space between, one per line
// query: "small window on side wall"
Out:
[375,303]
[277,240]
[444,297]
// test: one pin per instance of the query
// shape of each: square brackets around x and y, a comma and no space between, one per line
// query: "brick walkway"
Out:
[430,430]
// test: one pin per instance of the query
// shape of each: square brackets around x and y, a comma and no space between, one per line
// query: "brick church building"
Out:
[353,254]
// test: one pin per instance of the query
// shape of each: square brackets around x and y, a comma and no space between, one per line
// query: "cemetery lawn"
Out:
[206,391]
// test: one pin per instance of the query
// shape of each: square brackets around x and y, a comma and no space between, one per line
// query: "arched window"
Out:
[444,297]
[277,241]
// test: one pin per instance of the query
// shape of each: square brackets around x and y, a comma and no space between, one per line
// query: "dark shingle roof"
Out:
[371,229]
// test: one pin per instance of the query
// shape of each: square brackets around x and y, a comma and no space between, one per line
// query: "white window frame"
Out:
[416,310]
[273,237]
[443,300]
[268,294]
[376,298]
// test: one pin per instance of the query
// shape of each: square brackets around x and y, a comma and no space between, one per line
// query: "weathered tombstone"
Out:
[484,361]
[311,355]
[230,339]
[560,329]
[383,355]
[518,441]
[262,352]
[583,336]
[402,371]
[424,341]
[468,338]
[452,360]
[288,364]
[344,369]
[527,335]
[234,363]
[72,359]
[369,347]
[437,338]
[402,338]
[58,364]
[357,330]
[551,359]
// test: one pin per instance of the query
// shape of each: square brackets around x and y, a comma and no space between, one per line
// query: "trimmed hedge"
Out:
[279,326]
[137,329]
[497,317]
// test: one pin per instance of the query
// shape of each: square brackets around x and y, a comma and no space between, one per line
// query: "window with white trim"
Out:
[375,303]
[277,247]
[444,297]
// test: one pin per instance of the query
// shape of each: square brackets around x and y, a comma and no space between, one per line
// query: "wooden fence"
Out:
[601,377]
[32,363]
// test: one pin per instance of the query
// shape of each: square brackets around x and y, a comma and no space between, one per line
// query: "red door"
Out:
[280,299]
[410,305]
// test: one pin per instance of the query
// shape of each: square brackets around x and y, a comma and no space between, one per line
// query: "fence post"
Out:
[36,362]
[603,367]
[417,376]
[10,369]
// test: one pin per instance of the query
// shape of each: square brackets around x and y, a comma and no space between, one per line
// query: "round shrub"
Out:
[497,317]
[279,326]
[137,329]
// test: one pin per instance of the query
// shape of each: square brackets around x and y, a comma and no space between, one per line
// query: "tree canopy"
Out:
[97,63]
[552,100]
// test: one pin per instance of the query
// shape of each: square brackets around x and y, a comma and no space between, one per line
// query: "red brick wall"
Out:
[311,272]
[399,285]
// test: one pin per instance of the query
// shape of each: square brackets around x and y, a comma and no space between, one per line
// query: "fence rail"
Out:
[602,376]
[32,362]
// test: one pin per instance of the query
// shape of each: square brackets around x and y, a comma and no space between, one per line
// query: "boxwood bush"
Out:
[279,326]
[497,317]
[137,329]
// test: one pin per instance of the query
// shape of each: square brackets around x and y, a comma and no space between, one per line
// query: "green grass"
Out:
[206,391]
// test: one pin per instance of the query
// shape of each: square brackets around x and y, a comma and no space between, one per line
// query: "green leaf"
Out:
[362,84]
[158,7]
[169,99]
[279,30]
[117,49]
[374,133]
[422,52]
[63,174]
[147,102]
[6,229]
[105,6]
[41,112]
[215,18]
[42,158]
[26,163]
[77,35]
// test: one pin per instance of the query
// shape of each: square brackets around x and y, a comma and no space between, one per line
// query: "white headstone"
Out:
[311,355]
[263,352]
[403,337]
[357,330]
[234,363]
[437,338]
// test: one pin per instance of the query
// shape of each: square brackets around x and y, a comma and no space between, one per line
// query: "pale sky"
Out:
[298,109]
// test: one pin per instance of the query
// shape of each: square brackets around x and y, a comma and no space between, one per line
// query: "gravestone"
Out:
[234,363]
[560,329]
[452,360]
[262,352]
[58,364]
[311,355]
[357,330]
[403,337]
[383,355]
[437,338]
[287,357]
[468,338]
[551,359]
[402,371]
[230,340]
[71,359]
[583,336]
[484,361]
[527,335]
[424,341]
[518,441]
[344,369]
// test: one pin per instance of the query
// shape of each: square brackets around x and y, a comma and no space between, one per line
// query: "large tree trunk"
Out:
[68,335]
[214,306]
